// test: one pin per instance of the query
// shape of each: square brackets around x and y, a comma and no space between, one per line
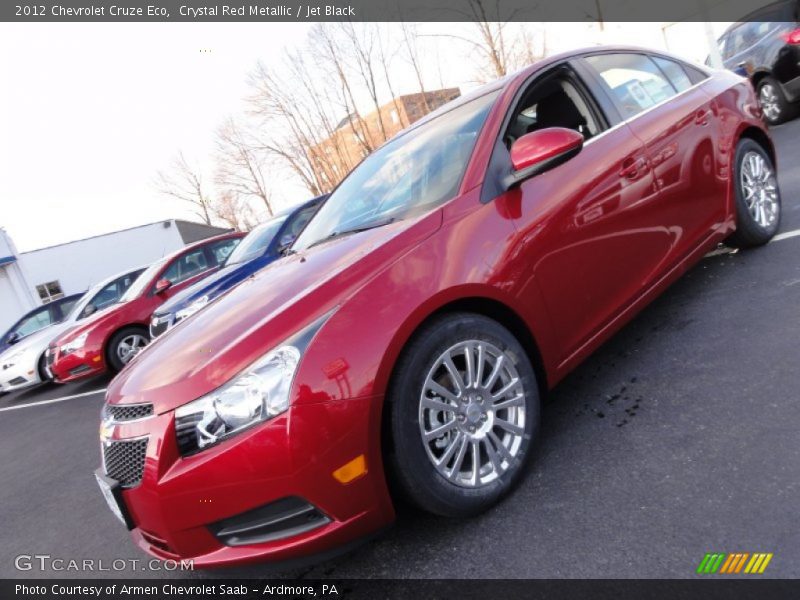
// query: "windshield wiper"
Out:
[359,229]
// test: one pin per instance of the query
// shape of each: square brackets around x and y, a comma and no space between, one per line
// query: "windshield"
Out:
[413,173]
[255,242]
[141,282]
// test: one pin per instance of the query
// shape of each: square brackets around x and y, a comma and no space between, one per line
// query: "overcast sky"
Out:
[90,112]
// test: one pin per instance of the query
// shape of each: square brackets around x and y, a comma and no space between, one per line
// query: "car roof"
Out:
[198,244]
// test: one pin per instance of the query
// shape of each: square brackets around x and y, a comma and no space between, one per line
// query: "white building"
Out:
[16,297]
[36,277]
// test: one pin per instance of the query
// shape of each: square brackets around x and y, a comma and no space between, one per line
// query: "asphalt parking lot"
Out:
[677,438]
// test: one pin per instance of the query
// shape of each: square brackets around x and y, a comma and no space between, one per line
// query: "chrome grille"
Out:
[129,412]
[124,461]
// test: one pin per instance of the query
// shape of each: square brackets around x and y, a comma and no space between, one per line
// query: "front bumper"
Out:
[160,324]
[82,363]
[18,376]
[179,505]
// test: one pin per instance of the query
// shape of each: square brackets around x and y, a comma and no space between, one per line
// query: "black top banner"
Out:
[398,10]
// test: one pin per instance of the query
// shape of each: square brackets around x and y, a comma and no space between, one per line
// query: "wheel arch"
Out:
[760,137]
[759,76]
[487,306]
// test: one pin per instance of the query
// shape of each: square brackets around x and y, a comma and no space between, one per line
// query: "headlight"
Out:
[191,309]
[255,395]
[73,345]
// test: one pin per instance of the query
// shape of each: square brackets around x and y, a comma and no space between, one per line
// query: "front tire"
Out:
[463,411]
[44,374]
[124,345]
[757,196]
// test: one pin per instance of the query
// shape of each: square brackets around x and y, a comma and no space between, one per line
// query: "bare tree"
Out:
[386,65]
[185,183]
[412,55]
[235,212]
[501,46]
[362,42]
[240,165]
[290,133]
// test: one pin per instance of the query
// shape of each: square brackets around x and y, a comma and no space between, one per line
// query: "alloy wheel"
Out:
[472,413]
[770,104]
[760,189]
[130,346]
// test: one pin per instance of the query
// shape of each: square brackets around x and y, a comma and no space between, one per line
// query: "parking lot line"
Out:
[53,400]
[786,235]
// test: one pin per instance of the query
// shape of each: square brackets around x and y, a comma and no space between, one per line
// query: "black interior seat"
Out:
[558,110]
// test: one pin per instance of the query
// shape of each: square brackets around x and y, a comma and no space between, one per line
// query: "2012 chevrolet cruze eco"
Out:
[452,278]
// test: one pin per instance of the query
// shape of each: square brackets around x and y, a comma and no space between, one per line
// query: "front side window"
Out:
[186,266]
[635,80]
[222,250]
[38,320]
[408,175]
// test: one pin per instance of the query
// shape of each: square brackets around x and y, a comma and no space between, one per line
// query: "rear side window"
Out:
[635,81]
[675,73]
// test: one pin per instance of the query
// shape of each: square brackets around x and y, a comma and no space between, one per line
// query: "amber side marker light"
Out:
[352,470]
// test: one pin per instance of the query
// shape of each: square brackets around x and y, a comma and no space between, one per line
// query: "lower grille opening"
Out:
[124,461]
[158,545]
[275,521]
[17,381]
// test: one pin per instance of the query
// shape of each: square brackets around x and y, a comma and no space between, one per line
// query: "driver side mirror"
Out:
[13,338]
[539,151]
[88,310]
[162,285]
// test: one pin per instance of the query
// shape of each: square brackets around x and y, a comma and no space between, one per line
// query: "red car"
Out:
[452,278]
[112,337]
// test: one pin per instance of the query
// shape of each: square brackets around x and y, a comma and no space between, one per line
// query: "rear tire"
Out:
[757,196]
[776,108]
[124,345]
[487,415]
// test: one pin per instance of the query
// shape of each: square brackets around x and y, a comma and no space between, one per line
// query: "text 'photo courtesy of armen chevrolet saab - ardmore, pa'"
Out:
[486,298]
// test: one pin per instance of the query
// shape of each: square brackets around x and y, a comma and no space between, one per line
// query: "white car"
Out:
[25,364]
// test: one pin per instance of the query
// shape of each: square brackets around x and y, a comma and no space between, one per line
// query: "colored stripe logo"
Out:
[734,563]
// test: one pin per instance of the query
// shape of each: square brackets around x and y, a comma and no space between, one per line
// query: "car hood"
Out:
[208,286]
[73,329]
[37,342]
[209,348]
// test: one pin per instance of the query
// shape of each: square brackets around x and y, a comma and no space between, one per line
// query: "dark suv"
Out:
[766,47]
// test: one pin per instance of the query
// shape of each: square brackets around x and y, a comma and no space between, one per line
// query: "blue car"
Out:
[265,244]
[39,318]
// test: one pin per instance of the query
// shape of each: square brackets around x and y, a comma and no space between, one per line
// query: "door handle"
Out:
[701,118]
[632,166]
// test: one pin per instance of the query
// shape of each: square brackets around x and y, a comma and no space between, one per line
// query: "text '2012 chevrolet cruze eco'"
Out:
[459,272]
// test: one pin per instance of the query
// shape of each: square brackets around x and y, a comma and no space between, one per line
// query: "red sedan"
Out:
[113,336]
[456,275]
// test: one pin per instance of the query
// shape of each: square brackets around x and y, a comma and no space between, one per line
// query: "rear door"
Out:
[676,121]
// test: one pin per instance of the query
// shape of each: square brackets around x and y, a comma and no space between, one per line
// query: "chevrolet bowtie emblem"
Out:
[106,431]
